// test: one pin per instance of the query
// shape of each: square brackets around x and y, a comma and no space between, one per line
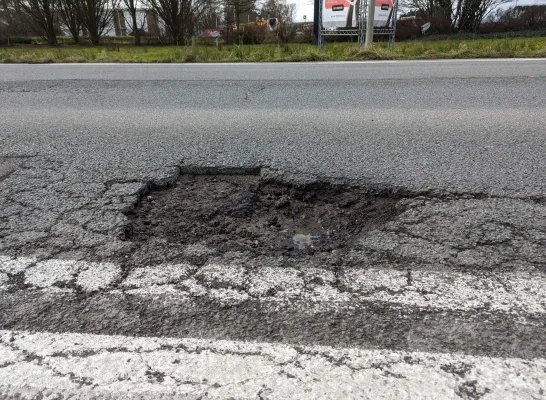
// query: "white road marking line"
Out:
[15,265]
[46,273]
[158,275]
[516,293]
[85,366]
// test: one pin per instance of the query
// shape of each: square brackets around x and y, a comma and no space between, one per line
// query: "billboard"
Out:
[339,14]
[343,14]
[383,14]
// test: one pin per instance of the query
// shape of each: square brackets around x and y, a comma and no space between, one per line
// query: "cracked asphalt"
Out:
[446,299]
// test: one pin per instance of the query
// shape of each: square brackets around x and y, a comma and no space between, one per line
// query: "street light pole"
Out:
[369,23]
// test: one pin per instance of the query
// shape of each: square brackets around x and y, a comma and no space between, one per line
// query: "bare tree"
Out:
[229,20]
[15,22]
[42,14]
[132,8]
[523,17]
[178,16]
[461,15]
[6,14]
[239,7]
[210,14]
[470,14]
[96,16]
[287,28]
[285,13]
[68,14]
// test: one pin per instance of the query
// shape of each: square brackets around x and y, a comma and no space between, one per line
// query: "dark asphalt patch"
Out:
[363,324]
[8,165]
[244,213]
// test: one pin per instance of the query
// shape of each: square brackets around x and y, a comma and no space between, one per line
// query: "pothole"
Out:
[229,213]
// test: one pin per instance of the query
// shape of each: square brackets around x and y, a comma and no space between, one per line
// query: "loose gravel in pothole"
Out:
[242,213]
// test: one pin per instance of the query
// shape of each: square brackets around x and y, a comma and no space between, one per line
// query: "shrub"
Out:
[20,40]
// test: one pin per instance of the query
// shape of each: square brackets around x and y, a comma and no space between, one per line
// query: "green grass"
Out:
[491,35]
[421,49]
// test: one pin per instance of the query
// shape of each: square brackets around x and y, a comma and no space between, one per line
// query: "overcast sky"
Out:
[305,7]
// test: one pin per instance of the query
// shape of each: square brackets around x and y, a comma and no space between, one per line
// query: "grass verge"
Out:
[412,50]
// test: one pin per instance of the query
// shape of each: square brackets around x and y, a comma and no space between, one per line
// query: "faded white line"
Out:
[99,366]
[517,293]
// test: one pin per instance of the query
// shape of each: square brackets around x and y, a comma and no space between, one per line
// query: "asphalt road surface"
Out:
[443,296]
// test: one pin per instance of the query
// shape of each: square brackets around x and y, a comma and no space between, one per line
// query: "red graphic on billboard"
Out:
[331,4]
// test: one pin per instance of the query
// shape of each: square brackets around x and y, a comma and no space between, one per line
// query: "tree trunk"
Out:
[74,29]
[50,28]
[136,31]
[238,23]
[94,37]
[52,39]
[175,34]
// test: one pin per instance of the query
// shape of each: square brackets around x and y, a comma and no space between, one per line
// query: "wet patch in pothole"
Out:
[245,213]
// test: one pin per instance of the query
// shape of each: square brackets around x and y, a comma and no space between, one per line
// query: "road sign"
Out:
[425,27]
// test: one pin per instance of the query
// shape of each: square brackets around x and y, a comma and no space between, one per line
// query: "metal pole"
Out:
[369,23]
[393,36]
[316,27]
[320,36]
[361,22]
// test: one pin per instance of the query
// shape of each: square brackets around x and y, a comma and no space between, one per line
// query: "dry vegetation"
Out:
[432,49]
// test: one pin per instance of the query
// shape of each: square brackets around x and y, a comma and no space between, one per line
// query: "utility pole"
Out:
[316,26]
[369,23]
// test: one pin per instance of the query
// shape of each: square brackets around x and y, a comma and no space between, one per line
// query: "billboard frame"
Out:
[360,30]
